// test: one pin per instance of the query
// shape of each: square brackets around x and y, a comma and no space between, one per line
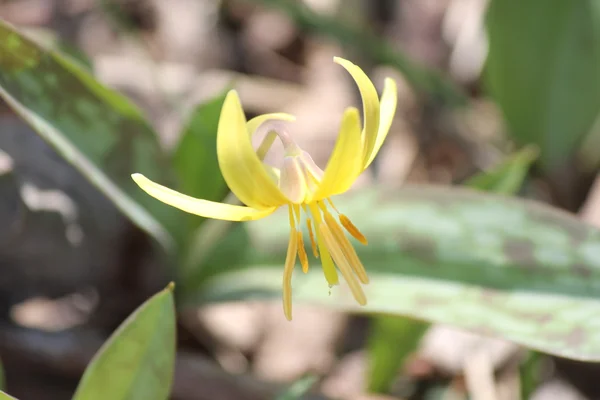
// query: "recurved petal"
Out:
[243,171]
[203,208]
[370,101]
[255,122]
[389,101]
[345,163]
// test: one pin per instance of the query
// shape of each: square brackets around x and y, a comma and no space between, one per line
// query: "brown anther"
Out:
[353,230]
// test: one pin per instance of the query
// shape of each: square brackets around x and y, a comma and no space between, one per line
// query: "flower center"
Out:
[298,180]
[299,177]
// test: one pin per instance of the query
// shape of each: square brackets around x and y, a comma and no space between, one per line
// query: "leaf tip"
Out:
[171,287]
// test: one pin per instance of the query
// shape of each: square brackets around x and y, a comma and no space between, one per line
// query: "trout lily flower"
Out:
[300,185]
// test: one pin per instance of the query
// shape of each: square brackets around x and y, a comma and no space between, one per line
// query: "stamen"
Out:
[333,205]
[343,265]
[291,217]
[310,232]
[302,253]
[346,223]
[312,238]
[297,212]
[353,230]
[328,267]
[347,248]
[290,261]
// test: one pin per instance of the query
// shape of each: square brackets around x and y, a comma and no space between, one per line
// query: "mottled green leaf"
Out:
[137,361]
[543,69]
[394,338]
[487,263]
[195,158]
[508,177]
[93,127]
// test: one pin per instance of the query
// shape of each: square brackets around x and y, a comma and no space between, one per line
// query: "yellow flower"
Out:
[300,184]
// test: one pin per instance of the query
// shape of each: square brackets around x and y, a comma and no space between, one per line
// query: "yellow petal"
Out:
[345,163]
[255,122]
[389,100]
[370,101]
[241,168]
[204,208]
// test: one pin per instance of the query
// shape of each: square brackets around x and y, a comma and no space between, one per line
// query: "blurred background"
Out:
[480,82]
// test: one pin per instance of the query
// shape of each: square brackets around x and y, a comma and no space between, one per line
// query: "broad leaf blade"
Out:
[486,263]
[4,396]
[137,362]
[543,69]
[195,158]
[394,338]
[94,128]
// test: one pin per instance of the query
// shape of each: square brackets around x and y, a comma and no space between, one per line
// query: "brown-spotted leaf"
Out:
[487,263]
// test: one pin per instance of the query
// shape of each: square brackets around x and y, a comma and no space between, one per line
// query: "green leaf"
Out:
[299,388]
[530,372]
[543,69]
[195,158]
[94,128]
[508,177]
[4,396]
[137,361]
[394,338]
[391,340]
[486,263]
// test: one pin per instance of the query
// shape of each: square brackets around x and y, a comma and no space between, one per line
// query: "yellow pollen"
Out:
[346,247]
[302,253]
[343,264]
[353,230]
